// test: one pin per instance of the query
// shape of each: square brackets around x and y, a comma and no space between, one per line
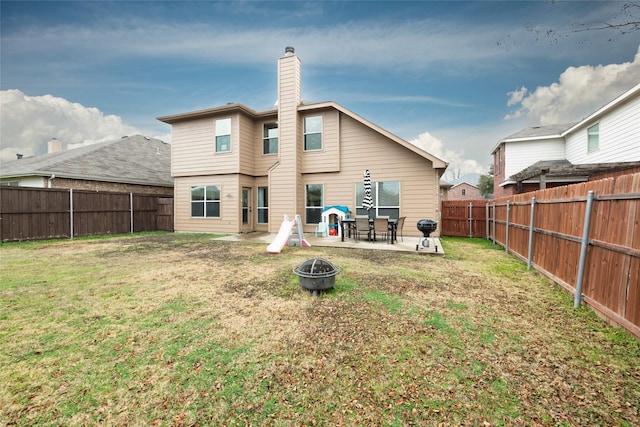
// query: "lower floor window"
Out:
[205,201]
[386,199]
[313,203]
[263,205]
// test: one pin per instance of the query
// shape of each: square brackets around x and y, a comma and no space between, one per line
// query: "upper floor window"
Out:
[313,133]
[270,138]
[593,138]
[464,192]
[205,201]
[223,135]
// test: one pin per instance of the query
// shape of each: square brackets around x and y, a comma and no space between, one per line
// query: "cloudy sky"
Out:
[453,76]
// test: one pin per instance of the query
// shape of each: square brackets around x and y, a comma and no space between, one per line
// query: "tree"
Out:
[625,21]
[485,183]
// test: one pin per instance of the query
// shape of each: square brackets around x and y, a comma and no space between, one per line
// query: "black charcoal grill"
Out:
[426,227]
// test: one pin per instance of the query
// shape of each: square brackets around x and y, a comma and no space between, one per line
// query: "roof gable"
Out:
[630,94]
[437,162]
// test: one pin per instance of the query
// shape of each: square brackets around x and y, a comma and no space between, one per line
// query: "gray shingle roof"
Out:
[540,131]
[133,159]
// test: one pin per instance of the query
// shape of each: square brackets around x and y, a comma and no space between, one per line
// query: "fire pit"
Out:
[426,226]
[316,274]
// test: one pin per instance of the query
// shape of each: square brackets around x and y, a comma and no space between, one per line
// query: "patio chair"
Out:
[381,227]
[399,227]
[323,229]
[362,226]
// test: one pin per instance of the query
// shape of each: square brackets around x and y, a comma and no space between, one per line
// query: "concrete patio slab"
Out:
[405,244]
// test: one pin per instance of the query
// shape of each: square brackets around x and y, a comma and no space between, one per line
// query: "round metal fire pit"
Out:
[316,274]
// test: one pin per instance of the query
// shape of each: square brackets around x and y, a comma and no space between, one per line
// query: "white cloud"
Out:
[578,92]
[458,165]
[29,122]
[516,96]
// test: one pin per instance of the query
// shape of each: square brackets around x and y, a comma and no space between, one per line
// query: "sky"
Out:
[454,77]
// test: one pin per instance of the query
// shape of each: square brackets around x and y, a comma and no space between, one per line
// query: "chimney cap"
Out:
[289,50]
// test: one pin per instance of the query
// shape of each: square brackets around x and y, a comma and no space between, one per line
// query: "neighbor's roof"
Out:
[562,130]
[472,178]
[131,159]
[308,106]
[535,133]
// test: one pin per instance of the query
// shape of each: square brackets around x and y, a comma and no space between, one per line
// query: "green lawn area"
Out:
[178,329]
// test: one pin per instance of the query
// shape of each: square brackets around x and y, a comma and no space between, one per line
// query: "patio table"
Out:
[350,223]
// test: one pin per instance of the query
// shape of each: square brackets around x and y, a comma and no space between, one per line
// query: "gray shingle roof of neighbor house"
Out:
[548,131]
[131,159]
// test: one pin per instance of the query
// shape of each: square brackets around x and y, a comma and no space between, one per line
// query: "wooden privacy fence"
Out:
[585,237]
[464,218]
[45,213]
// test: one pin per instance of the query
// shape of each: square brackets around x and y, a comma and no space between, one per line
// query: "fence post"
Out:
[494,223]
[470,220]
[71,213]
[583,250]
[506,239]
[530,255]
[486,218]
[131,210]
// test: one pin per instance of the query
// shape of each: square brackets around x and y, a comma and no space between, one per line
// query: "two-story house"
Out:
[239,170]
[605,143]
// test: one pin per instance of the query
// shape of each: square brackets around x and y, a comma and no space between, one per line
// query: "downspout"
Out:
[53,175]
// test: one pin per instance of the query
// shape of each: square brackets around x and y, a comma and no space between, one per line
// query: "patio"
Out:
[408,244]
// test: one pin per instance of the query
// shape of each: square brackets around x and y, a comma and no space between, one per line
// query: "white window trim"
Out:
[305,133]
[218,134]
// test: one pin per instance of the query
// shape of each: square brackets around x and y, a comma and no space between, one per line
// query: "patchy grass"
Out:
[177,329]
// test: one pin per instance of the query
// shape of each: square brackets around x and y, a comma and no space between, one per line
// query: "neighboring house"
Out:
[464,191]
[238,170]
[605,143]
[465,188]
[136,164]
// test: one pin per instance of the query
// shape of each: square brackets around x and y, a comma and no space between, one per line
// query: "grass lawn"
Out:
[177,329]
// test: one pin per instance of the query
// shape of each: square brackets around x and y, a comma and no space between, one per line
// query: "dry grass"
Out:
[182,330]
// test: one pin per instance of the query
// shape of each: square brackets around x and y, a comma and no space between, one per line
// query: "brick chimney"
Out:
[54,146]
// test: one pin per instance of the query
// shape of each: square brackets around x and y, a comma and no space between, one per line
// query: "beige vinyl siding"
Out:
[193,148]
[327,159]
[362,148]
[247,136]
[229,206]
